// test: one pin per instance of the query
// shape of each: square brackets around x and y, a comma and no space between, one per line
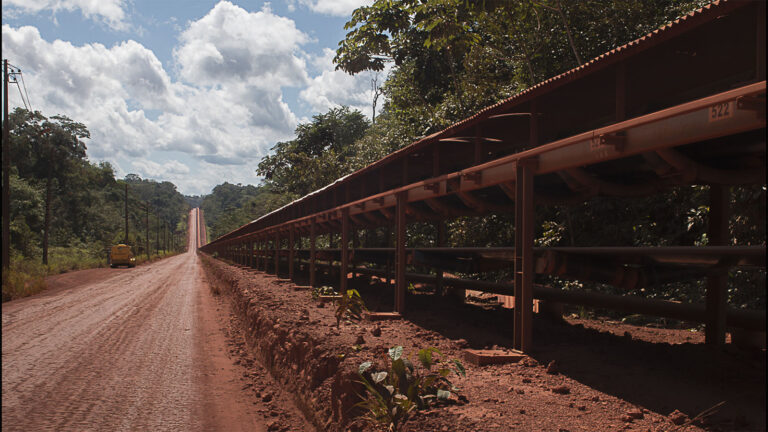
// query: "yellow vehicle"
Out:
[121,255]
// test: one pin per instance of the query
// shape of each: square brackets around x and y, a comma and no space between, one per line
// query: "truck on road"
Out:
[121,254]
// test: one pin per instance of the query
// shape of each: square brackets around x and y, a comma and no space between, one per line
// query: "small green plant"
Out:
[322,291]
[351,307]
[392,394]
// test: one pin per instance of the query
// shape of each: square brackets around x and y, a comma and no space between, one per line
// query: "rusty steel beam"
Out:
[291,252]
[735,318]
[739,318]
[277,254]
[312,253]
[694,172]
[524,260]
[683,124]
[596,186]
[400,254]
[482,205]
[717,283]
[344,249]
[448,211]
[440,242]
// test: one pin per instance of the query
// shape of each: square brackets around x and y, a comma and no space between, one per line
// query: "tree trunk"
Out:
[568,32]
[47,223]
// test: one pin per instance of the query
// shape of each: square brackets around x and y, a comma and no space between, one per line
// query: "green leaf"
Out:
[379,376]
[395,352]
[364,367]
[459,368]
[425,356]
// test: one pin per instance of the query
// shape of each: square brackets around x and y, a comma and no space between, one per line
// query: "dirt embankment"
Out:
[583,376]
[289,341]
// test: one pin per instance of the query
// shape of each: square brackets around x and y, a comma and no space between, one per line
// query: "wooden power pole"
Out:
[6,170]
[125,240]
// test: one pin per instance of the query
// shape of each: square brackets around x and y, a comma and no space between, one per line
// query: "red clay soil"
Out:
[583,375]
[148,348]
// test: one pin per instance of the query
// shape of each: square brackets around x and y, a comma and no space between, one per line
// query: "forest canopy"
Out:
[65,211]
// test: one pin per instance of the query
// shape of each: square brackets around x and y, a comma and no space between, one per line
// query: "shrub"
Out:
[351,307]
[322,291]
[392,394]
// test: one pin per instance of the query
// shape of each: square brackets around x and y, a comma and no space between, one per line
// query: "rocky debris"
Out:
[635,414]
[376,331]
[561,389]
[462,343]
[267,397]
[552,368]
[360,340]
[273,425]
[678,418]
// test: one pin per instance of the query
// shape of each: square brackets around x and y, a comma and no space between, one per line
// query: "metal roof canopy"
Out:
[675,64]
[682,105]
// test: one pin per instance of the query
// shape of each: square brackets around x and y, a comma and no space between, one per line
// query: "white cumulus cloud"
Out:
[230,45]
[214,116]
[110,12]
[331,7]
[333,88]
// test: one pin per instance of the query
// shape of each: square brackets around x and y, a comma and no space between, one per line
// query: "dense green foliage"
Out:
[317,156]
[230,206]
[454,57]
[323,150]
[66,211]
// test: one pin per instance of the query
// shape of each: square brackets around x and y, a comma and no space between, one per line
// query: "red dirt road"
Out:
[141,350]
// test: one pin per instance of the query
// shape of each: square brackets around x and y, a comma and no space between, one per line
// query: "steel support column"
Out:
[524,223]
[291,252]
[355,245]
[441,228]
[312,264]
[400,281]
[344,248]
[277,254]
[717,282]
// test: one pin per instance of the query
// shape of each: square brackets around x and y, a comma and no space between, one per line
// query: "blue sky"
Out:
[194,92]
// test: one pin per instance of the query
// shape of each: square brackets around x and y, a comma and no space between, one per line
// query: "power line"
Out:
[25,89]
[15,70]
[22,95]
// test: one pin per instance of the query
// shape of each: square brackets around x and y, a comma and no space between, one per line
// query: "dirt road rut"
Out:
[142,350]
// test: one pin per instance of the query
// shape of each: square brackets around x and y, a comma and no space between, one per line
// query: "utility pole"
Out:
[125,241]
[6,170]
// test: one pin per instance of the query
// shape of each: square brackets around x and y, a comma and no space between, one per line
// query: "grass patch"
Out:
[26,276]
